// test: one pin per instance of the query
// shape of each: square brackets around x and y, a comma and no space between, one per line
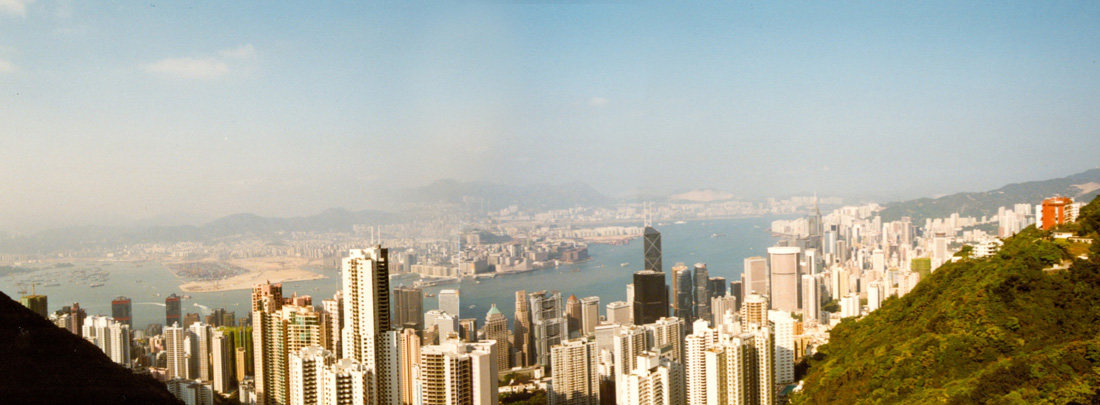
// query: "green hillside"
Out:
[999,330]
[1080,186]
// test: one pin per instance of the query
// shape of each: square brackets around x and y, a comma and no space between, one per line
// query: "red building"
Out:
[1054,211]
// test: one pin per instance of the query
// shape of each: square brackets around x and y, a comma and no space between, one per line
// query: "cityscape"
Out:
[564,203]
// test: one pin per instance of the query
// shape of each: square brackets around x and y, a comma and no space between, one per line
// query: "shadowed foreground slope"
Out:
[43,364]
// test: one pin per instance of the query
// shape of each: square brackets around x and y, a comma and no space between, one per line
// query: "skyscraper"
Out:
[172,310]
[120,311]
[449,302]
[811,297]
[409,355]
[785,277]
[547,324]
[650,297]
[222,361]
[36,303]
[367,336]
[655,381]
[268,348]
[717,287]
[783,334]
[756,276]
[575,380]
[496,329]
[754,310]
[738,292]
[174,346]
[683,293]
[332,321]
[627,343]
[522,328]
[455,372]
[620,312]
[199,335]
[573,316]
[702,291]
[306,375]
[408,307]
[651,248]
[667,336]
[590,315]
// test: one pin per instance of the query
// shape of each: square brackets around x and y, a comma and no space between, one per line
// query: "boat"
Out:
[95,285]
[717,235]
[472,306]
[679,222]
[430,295]
[186,297]
[624,264]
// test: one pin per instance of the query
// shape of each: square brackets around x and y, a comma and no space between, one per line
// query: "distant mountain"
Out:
[1005,329]
[706,195]
[44,364]
[331,220]
[492,196]
[1082,186]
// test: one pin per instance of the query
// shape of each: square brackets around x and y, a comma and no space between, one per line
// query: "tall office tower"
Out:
[702,291]
[651,248]
[627,342]
[444,325]
[737,292]
[172,310]
[573,366]
[874,296]
[408,308]
[332,321]
[717,287]
[268,352]
[655,381]
[120,310]
[77,318]
[683,293]
[667,332]
[754,310]
[590,315]
[222,361]
[620,312]
[496,329]
[456,372]
[839,280]
[764,349]
[783,332]
[449,302]
[409,355]
[573,316]
[199,334]
[467,329]
[720,306]
[521,336]
[36,303]
[547,324]
[756,276]
[650,296]
[784,263]
[367,336]
[701,339]
[811,297]
[306,374]
[174,346]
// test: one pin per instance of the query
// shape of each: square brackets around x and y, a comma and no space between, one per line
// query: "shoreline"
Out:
[260,270]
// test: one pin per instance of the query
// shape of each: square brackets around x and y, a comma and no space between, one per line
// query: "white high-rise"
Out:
[627,343]
[306,375]
[620,312]
[701,339]
[590,315]
[449,302]
[575,380]
[874,296]
[344,383]
[457,372]
[655,381]
[367,336]
[200,350]
[222,361]
[173,344]
[667,331]
[118,343]
[783,332]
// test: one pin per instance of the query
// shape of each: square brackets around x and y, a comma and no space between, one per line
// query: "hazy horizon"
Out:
[137,110]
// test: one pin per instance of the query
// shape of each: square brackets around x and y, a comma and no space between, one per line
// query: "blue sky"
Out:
[138,109]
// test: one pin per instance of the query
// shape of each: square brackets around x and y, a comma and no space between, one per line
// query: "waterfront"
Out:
[604,276]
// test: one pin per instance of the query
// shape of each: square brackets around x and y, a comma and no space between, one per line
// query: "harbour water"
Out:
[721,244]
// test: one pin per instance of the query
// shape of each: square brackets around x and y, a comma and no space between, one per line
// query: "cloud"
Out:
[598,101]
[7,67]
[17,7]
[242,52]
[189,68]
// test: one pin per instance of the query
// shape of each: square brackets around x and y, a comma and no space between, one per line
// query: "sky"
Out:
[118,111]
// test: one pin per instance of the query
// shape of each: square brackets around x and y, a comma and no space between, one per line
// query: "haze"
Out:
[120,111]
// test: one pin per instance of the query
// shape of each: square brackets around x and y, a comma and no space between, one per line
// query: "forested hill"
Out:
[1004,329]
[1081,186]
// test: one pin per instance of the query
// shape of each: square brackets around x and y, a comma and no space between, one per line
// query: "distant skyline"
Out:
[135,110]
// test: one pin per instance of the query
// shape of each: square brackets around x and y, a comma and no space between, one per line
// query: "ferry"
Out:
[624,264]
[95,285]
[679,222]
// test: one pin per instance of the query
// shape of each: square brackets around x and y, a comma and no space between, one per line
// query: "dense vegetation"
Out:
[1004,329]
